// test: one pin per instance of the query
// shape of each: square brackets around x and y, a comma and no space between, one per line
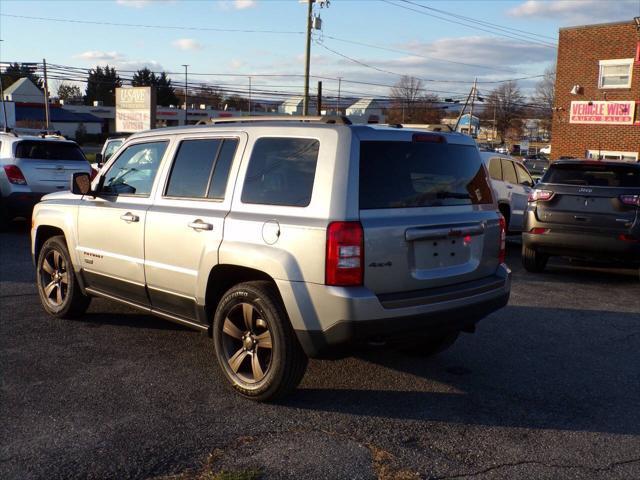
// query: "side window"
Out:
[523,177]
[201,168]
[495,170]
[509,171]
[218,184]
[134,170]
[281,172]
[191,168]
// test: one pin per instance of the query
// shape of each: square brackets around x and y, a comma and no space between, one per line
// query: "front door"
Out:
[111,225]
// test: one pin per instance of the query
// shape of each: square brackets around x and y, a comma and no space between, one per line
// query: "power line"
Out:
[164,27]
[422,12]
[516,31]
[373,67]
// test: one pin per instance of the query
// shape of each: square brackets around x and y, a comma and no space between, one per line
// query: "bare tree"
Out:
[506,104]
[545,96]
[410,104]
[70,93]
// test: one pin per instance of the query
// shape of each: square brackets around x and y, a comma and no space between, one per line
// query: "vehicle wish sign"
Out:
[602,112]
[135,109]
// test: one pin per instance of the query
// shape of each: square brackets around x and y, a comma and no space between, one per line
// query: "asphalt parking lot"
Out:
[548,387]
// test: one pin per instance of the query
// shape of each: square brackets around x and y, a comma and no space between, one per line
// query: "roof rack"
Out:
[330,119]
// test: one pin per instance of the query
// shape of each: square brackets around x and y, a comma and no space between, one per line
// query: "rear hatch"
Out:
[588,196]
[428,215]
[47,165]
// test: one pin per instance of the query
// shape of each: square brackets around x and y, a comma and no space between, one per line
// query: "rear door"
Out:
[185,223]
[587,196]
[428,214]
[47,165]
[520,196]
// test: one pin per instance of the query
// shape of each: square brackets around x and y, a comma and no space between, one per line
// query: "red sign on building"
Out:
[612,113]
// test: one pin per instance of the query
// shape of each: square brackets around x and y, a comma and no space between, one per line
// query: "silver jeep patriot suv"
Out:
[283,240]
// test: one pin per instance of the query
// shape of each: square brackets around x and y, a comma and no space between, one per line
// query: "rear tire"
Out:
[432,345]
[58,287]
[255,345]
[532,260]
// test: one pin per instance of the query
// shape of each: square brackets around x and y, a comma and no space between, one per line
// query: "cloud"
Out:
[117,60]
[479,51]
[236,64]
[134,3]
[99,56]
[236,4]
[572,12]
[187,44]
[244,4]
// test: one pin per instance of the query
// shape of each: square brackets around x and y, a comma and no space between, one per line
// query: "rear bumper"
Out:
[583,243]
[328,320]
[20,204]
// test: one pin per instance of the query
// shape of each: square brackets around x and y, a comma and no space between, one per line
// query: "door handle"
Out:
[200,225]
[129,217]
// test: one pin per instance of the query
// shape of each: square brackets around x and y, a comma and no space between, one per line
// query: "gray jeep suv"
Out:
[283,239]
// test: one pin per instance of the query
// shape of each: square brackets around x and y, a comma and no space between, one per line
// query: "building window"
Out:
[615,73]
[612,155]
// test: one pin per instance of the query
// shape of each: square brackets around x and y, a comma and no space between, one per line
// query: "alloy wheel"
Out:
[247,343]
[54,278]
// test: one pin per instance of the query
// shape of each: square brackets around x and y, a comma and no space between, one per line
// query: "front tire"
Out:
[58,287]
[256,348]
[532,260]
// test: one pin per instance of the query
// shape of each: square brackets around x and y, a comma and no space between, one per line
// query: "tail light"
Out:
[14,175]
[502,254]
[345,254]
[538,231]
[628,238]
[540,195]
[633,200]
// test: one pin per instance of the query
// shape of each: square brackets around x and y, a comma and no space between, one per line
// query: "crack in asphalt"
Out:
[536,462]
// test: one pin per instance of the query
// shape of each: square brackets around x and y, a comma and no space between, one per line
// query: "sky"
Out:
[225,42]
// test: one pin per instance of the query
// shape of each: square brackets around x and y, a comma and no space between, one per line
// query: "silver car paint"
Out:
[286,243]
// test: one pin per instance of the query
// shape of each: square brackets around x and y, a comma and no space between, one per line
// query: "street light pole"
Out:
[307,61]
[185,92]
[46,95]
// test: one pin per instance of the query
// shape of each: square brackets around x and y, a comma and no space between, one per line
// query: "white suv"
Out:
[283,240]
[32,166]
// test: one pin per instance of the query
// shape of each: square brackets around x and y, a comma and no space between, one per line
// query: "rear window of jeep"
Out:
[414,174]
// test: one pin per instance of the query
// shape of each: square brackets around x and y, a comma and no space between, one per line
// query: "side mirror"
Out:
[98,158]
[80,183]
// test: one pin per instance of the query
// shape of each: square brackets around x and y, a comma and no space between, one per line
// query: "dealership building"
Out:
[597,94]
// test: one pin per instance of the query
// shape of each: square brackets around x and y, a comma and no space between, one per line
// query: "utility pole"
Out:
[455,129]
[307,59]
[46,95]
[473,98]
[319,102]
[4,107]
[339,87]
[185,92]
[249,95]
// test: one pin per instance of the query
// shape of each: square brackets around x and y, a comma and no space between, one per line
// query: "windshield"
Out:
[594,175]
[48,150]
[111,147]
[420,174]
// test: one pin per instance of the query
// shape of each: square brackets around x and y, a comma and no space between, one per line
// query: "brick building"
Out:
[597,106]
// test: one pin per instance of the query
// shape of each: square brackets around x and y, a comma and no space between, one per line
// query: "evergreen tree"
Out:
[165,93]
[16,71]
[101,86]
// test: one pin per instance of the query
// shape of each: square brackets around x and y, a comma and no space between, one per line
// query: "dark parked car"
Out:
[537,165]
[584,209]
